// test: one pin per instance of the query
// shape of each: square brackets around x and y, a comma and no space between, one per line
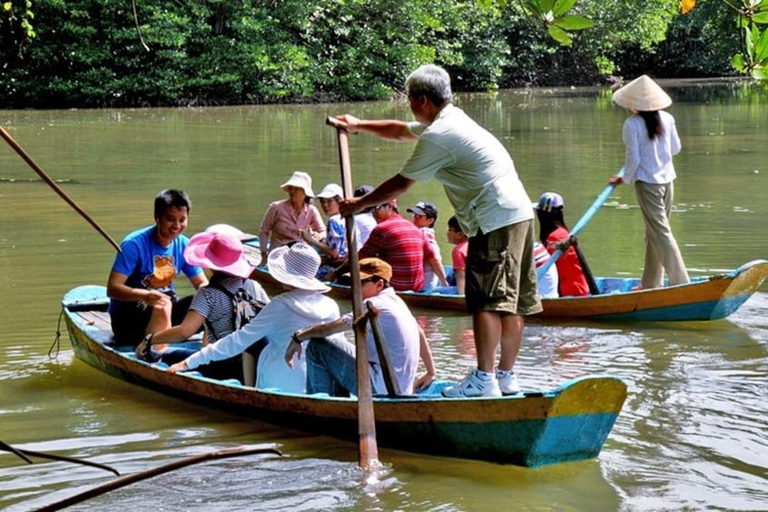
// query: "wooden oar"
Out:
[137,477]
[368,449]
[24,453]
[23,154]
[582,223]
[390,380]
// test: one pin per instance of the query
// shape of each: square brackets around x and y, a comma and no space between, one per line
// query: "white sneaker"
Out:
[473,386]
[507,382]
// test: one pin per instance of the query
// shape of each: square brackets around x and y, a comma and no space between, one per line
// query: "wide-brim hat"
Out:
[218,251]
[296,266]
[300,180]
[643,95]
[330,191]
[225,229]
[549,201]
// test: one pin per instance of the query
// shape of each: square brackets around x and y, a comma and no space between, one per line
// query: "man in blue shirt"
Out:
[141,283]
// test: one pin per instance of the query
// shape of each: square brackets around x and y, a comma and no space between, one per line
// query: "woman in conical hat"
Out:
[651,139]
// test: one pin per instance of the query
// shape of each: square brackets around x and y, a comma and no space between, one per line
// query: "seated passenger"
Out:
[424,218]
[548,283]
[456,278]
[141,284]
[552,233]
[364,221]
[229,300]
[330,359]
[333,251]
[285,219]
[402,245]
[302,304]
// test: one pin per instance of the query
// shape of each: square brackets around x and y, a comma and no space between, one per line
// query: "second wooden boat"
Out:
[704,298]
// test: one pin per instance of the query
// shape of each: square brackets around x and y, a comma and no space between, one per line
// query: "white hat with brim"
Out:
[643,95]
[218,251]
[330,191]
[300,180]
[296,266]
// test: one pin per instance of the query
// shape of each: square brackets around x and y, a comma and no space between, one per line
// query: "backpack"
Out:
[245,306]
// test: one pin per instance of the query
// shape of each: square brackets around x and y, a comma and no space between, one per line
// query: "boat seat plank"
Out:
[98,319]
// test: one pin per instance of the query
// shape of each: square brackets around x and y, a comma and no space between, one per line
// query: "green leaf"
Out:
[760,73]
[742,22]
[485,4]
[761,47]
[7,6]
[547,5]
[737,61]
[573,23]
[760,17]
[559,35]
[562,6]
[749,43]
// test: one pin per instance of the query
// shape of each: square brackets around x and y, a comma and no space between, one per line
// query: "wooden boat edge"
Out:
[539,416]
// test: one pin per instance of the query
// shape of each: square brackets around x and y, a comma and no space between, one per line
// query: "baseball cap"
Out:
[549,201]
[424,208]
[374,267]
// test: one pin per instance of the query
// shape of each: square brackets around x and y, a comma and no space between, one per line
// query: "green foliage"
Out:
[552,14]
[206,52]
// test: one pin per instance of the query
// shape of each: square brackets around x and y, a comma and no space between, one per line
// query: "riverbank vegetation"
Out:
[93,53]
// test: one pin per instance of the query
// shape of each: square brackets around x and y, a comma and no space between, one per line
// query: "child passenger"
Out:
[424,218]
[460,242]
[553,231]
[333,250]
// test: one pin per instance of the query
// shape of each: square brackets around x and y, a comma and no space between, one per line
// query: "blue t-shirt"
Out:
[149,265]
[336,235]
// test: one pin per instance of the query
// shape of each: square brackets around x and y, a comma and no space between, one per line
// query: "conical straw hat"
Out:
[642,94]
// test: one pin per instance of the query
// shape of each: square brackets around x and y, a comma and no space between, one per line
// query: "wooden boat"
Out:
[534,428]
[704,298]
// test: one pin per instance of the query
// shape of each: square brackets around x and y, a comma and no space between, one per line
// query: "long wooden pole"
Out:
[23,154]
[24,453]
[368,449]
[137,477]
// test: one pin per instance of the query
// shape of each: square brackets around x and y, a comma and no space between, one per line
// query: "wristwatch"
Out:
[295,337]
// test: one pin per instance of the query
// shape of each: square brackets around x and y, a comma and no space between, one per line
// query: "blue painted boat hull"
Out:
[567,423]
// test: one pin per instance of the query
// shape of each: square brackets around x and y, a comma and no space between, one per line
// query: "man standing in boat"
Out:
[492,208]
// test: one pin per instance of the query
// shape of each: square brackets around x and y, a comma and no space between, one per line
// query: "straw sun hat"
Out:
[300,180]
[643,95]
[296,266]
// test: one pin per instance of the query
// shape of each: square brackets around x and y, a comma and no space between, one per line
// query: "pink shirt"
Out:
[281,224]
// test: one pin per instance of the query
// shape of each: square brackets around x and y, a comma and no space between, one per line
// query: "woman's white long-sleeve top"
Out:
[286,313]
[650,160]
